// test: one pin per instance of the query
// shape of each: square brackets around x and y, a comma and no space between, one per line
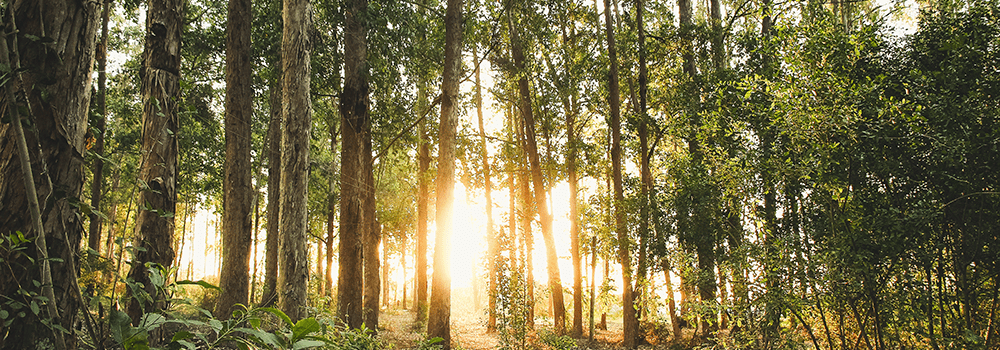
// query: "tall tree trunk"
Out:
[439,320]
[630,324]
[237,197]
[160,92]
[274,134]
[645,155]
[531,147]
[527,213]
[333,201]
[491,235]
[574,218]
[675,324]
[293,261]
[423,193]
[97,183]
[773,310]
[55,151]
[356,134]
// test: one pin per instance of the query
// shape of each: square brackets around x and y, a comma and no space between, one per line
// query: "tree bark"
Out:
[97,183]
[439,320]
[237,195]
[645,155]
[293,260]
[574,218]
[274,134]
[630,325]
[372,268]
[356,135]
[531,147]
[61,71]
[160,91]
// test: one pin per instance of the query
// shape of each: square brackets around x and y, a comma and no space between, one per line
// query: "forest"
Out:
[513,174]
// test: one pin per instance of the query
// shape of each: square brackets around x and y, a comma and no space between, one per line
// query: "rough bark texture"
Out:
[630,324]
[545,218]
[355,159]
[274,126]
[62,70]
[439,319]
[97,183]
[293,259]
[372,283]
[491,235]
[158,175]
[423,185]
[237,202]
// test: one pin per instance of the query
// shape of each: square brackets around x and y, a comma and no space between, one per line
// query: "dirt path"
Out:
[466,331]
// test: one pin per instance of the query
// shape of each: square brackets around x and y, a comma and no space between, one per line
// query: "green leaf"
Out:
[304,327]
[34,307]
[199,282]
[278,313]
[307,343]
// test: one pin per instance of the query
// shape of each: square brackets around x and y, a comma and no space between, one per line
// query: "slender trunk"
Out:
[234,274]
[439,319]
[355,164]
[372,265]
[423,193]
[527,213]
[675,324]
[552,263]
[293,259]
[630,324]
[158,175]
[253,243]
[331,215]
[97,183]
[645,155]
[491,235]
[574,219]
[274,134]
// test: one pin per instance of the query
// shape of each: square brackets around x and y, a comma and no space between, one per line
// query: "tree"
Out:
[355,164]
[97,183]
[293,258]
[274,141]
[439,319]
[55,90]
[491,234]
[630,324]
[234,275]
[424,161]
[158,175]
[531,148]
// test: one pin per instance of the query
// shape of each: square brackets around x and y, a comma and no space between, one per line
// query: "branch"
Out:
[407,129]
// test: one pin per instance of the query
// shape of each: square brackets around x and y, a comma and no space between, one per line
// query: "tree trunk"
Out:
[531,147]
[491,235]
[237,197]
[97,183]
[423,193]
[356,134]
[274,133]
[55,150]
[158,198]
[630,325]
[370,255]
[645,155]
[293,261]
[675,324]
[574,218]
[527,213]
[439,320]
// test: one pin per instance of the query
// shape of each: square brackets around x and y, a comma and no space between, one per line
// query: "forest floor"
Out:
[469,332]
